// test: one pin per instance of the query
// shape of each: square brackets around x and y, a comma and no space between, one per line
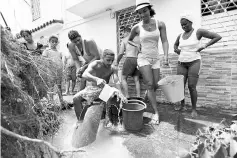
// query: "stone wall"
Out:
[217,86]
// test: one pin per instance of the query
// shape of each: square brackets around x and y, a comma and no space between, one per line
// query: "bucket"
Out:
[133,115]
[172,87]
[136,98]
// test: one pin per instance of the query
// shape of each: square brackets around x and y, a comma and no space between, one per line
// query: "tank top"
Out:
[149,42]
[189,48]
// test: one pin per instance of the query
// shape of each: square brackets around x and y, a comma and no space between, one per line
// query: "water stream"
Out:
[107,143]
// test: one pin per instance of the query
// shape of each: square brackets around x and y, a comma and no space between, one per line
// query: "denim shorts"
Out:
[144,61]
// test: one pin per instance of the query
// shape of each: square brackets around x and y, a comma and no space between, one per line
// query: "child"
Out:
[53,54]
[70,69]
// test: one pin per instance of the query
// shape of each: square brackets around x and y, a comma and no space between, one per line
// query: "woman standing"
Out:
[149,31]
[188,46]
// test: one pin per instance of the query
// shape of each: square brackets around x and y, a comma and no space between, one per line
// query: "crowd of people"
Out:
[95,68]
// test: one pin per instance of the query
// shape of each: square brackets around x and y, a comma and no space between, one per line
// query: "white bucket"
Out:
[107,92]
[172,87]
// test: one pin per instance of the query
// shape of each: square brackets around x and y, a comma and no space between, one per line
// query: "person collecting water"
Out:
[99,73]
[188,47]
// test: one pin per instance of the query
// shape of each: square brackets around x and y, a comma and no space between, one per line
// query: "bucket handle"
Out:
[170,69]
[133,100]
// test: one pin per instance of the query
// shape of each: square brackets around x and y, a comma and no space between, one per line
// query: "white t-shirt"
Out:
[54,55]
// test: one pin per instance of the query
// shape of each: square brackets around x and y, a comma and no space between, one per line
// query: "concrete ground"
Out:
[174,134]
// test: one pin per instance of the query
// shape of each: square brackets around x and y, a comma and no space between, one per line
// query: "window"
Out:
[35,9]
[209,7]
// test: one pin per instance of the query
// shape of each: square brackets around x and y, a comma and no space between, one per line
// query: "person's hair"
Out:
[152,11]
[127,29]
[53,36]
[108,52]
[27,31]
[73,34]
[67,45]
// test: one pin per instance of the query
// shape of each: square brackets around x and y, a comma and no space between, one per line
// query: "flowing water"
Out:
[106,145]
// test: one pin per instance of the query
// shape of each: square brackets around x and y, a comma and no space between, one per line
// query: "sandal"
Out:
[155,119]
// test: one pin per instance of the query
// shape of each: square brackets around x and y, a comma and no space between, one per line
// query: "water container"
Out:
[133,115]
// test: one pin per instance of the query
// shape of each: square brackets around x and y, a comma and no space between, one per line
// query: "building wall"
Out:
[103,29]
[217,85]
[16,13]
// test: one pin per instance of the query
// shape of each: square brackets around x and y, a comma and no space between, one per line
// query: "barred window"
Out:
[209,7]
[125,18]
[35,9]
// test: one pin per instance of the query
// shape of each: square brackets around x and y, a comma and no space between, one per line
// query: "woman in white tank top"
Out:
[149,31]
[188,47]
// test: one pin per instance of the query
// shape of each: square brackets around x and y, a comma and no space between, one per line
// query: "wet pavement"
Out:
[174,134]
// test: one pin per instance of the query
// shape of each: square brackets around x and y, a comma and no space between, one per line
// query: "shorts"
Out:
[89,93]
[144,61]
[130,67]
[189,69]
[71,73]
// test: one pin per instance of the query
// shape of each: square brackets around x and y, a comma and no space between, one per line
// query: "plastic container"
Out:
[172,87]
[133,115]
[136,98]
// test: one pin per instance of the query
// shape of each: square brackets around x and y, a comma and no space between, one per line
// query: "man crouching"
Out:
[98,73]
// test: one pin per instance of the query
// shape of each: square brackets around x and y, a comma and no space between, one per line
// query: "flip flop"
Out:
[155,119]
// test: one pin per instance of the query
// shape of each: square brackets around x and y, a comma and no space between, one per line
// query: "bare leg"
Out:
[82,84]
[149,80]
[137,84]
[73,85]
[192,83]
[67,86]
[77,103]
[125,85]
[60,96]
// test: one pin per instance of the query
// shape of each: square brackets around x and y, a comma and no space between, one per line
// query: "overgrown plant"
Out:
[25,109]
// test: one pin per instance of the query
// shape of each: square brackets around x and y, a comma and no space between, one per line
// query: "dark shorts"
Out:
[71,73]
[130,67]
[189,69]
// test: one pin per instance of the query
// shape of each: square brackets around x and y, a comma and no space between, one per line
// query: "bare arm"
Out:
[164,40]
[121,52]
[45,53]
[116,79]
[64,61]
[135,31]
[72,50]
[93,50]
[87,74]
[207,34]
[176,45]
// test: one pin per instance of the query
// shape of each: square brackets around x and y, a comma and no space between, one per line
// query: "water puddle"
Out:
[109,143]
